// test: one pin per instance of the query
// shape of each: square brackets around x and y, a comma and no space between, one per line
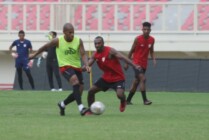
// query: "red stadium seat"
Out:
[203,15]
[17,17]
[3,15]
[31,11]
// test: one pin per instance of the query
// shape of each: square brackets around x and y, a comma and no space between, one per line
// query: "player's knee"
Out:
[74,80]
[142,78]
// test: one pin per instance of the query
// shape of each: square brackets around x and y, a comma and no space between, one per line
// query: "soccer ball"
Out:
[97,108]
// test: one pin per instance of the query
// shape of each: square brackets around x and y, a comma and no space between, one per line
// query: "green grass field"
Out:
[33,115]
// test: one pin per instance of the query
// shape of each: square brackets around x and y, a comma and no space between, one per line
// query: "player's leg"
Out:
[30,78]
[91,94]
[70,75]
[49,70]
[28,73]
[119,87]
[19,77]
[132,91]
[71,97]
[143,88]
[57,75]
[99,85]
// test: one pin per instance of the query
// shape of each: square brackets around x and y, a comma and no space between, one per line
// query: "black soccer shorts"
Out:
[100,83]
[70,72]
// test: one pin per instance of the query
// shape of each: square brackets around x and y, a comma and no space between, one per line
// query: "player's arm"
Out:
[119,55]
[91,60]
[131,52]
[152,54]
[83,56]
[52,43]
[30,47]
[13,53]
[10,48]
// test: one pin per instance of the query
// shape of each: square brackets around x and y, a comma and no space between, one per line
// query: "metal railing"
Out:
[93,17]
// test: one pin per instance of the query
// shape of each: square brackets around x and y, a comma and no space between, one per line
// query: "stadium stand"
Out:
[203,18]
[17,17]
[123,14]
[3,15]
[31,17]
[44,17]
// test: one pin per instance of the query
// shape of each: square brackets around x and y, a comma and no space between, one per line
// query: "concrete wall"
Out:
[190,75]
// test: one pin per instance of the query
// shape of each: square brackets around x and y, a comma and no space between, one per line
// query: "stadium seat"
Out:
[31,11]
[17,17]
[3,15]
[124,14]
[203,15]
[44,17]
[78,18]
[91,17]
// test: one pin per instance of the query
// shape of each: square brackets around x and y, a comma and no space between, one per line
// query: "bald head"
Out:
[68,31]
[67,26]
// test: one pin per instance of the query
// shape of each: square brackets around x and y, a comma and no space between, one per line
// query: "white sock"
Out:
[62,104]
[80,107]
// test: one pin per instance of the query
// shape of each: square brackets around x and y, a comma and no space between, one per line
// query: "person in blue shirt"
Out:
[23,47]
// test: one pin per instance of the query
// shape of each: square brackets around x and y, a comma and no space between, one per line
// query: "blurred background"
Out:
[180,28]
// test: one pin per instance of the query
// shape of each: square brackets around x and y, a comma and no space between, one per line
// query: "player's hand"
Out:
[14,55]
[83,68]
[88,69]
[137,67]
[30,64]
[126,67]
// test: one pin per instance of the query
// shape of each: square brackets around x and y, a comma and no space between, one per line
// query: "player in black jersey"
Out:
[51,64]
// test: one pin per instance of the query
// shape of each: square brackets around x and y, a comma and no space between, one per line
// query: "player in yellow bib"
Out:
[69,51]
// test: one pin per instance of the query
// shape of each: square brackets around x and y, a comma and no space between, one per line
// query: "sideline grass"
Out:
[33,115]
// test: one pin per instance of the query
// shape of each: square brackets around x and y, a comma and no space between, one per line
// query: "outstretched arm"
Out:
[52,43]
[117,54]
[91,60]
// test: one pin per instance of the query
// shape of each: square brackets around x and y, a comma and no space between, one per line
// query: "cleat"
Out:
[129,103]
[84,111]
[147,102]
[60,89]
[122,106]
[53,89]
[62,109]
[88,113]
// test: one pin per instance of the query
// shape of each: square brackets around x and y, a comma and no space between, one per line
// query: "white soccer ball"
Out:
[97,108]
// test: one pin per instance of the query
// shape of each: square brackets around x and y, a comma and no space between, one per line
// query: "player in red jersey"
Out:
[143,46]
[113,77]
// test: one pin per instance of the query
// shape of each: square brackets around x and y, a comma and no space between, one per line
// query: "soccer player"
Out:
[23,47]
[143,46]
[69,50]
[51,64]
[113,77]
